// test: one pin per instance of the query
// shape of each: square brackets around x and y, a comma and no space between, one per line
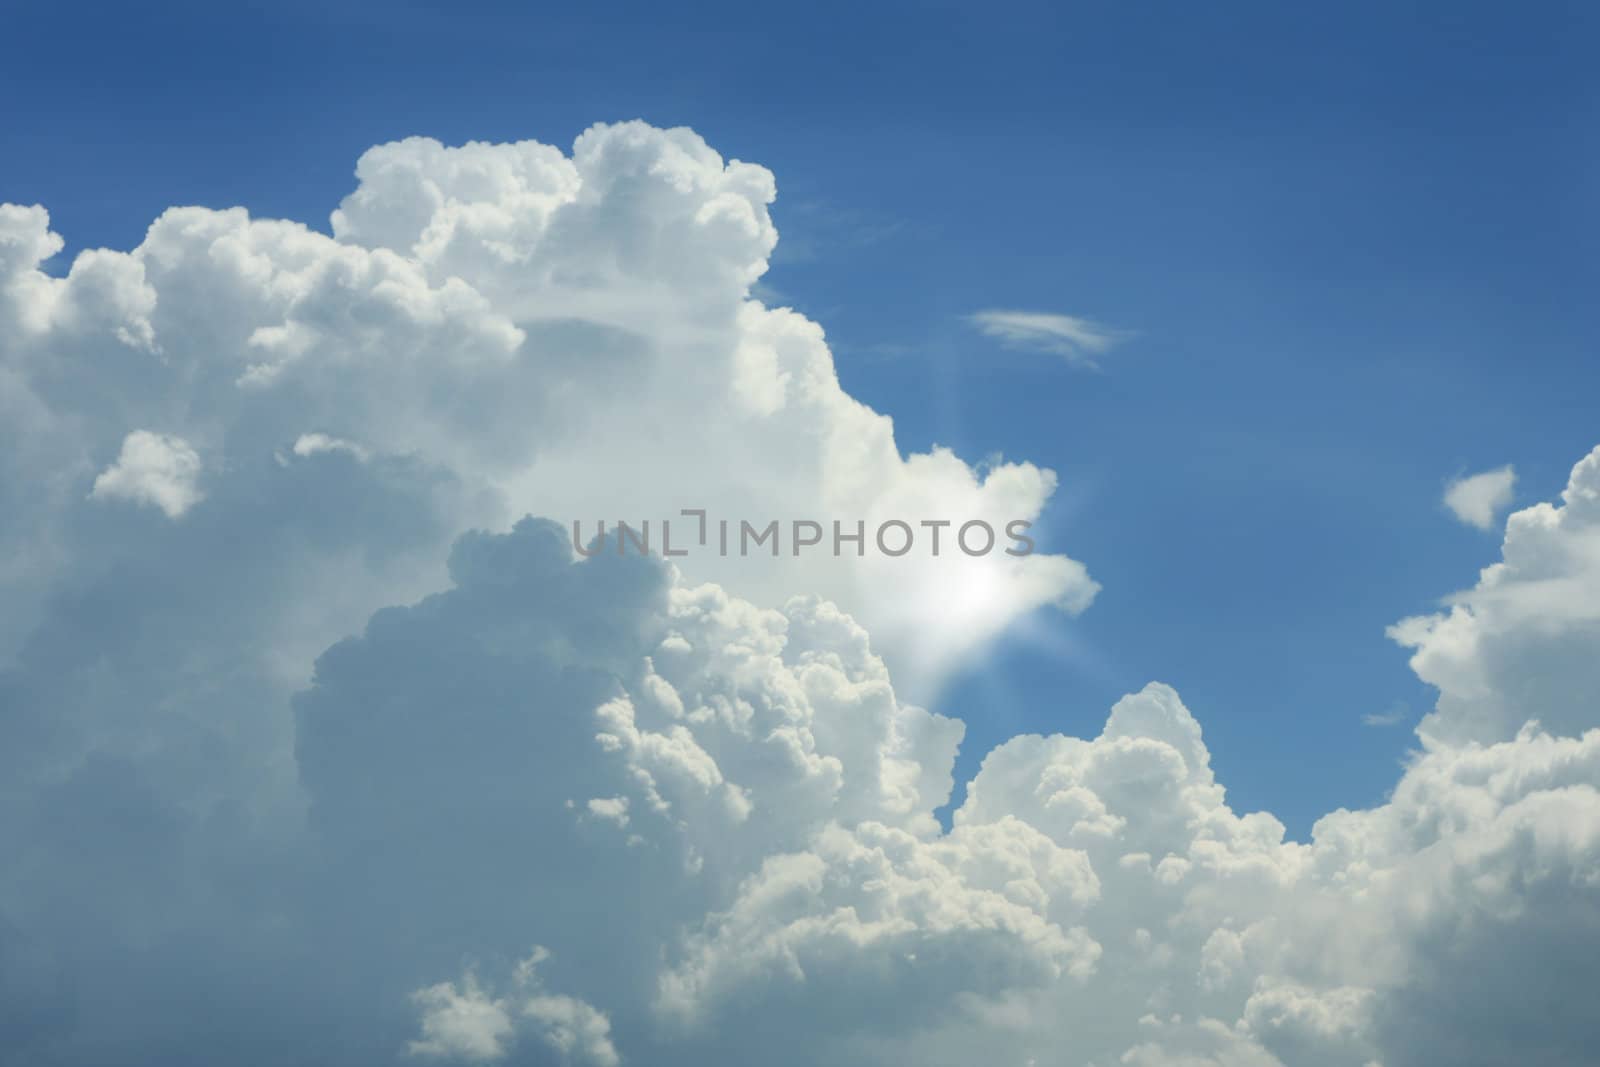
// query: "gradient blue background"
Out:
[1356,244]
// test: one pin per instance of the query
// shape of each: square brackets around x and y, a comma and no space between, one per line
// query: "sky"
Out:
[1295,303]
[1351,249]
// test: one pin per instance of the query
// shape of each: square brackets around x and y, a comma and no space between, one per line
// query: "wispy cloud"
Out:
[1398,713]
[1076,339]
[1479,499]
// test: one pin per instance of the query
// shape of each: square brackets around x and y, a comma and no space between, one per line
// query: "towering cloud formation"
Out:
[534,808]
[571,336]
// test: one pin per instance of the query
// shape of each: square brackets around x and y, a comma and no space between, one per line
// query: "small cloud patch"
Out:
[1079,341]
[153,469]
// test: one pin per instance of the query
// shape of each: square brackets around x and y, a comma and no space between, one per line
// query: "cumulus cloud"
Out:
[1519,645]
[153,469]
[462,1022]
[572,335]
[1079,341]
[329,754]
[780,888]
[1479,499]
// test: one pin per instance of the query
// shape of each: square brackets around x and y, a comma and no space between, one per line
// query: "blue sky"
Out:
[312,750]
[1353,247]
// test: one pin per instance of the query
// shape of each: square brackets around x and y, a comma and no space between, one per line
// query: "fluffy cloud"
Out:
[1519,645]
[1478,499]
[568,335]
[302,776]
[152,469]
[779,888]
[464,1023]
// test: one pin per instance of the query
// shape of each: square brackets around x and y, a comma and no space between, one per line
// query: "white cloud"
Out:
[1097,898]
[571,335]
[1077,340]
[313,444]
[1088,886]
[1520,644]
[1479,499]
[153,469]
[465,1023]
[461,1023]
[703,794]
